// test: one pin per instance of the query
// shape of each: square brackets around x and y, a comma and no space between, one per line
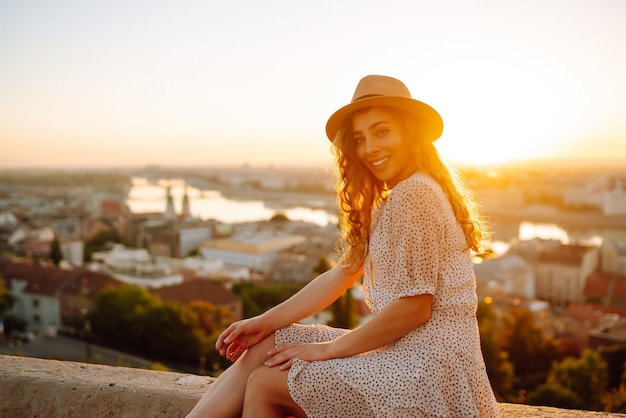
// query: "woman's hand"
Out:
[283,356]
[240,336]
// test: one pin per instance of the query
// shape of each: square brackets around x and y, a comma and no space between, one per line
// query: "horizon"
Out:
[541,163]
[122,84]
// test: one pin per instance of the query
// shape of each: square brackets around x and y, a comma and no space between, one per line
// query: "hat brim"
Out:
[426,116]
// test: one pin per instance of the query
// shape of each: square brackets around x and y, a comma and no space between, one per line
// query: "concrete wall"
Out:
[32,388]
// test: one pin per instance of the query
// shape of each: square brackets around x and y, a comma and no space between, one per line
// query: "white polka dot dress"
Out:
[437,370]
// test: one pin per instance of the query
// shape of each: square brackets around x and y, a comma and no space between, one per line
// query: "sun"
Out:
[518,110]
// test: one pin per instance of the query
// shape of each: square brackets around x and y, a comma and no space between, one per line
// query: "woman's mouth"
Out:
[380,162]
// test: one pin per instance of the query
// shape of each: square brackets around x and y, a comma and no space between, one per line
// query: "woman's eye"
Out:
[382,132]
[358,140]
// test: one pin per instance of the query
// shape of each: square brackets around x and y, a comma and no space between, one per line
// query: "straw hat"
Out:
[379,90]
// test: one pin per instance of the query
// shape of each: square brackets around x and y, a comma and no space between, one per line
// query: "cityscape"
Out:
[165,171]
[211,238]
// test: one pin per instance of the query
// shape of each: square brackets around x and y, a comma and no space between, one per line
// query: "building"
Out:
[256,251]
[135,266]
[36,289]
[615,199]
[613,257]
[606,288]
[510,273]
[561,273]
[76,297]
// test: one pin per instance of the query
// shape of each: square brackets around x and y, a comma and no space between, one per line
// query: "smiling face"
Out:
[380,141]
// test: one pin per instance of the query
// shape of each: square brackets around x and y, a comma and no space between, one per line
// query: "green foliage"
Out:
[13,323]
[168,332]
[530,350]
[257,299]
[132,318]
[344,311]
[211,318]
[322,266]
[615,400]
[7,299]
[499,369]
[279,217]
[555,395]
[118,312]
[211,359]
[98,242]
[55,251]
[615,356]
[587,377]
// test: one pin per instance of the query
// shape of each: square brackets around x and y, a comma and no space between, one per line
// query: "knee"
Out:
[257,383]
[258,392]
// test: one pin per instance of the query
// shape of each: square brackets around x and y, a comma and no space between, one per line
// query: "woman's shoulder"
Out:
[417,184]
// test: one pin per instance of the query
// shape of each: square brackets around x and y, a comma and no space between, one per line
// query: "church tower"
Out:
[170,212]
[186,207]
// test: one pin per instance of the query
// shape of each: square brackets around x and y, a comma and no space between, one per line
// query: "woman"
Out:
[408,229]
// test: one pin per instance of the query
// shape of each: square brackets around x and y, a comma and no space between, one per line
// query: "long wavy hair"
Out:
[359,191]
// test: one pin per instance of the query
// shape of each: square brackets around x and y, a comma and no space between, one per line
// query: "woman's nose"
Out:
[370,145]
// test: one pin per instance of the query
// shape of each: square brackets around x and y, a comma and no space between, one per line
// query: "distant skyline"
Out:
[206,83]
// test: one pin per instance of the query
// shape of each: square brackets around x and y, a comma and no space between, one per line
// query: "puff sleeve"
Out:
[419,230]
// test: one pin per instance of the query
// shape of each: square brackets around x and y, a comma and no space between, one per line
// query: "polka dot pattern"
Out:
[437,370]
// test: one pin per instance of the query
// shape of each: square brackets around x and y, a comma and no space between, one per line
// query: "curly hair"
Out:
[359,191]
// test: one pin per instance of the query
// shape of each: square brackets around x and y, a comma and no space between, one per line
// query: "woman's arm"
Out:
[397,320]
[315,296]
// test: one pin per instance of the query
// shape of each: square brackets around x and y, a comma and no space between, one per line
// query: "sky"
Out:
[205,83]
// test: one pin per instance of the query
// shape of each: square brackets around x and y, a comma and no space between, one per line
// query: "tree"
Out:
[322,266]
[615,400]
[499,369]
[56,255]
[586,376]
[555,395]
[132,318]
[14,323]
[257,299]
[530,350]
[344,311]
[279,217]
[7,300]
[615,357]
[98,242]
[117,314]
[211,318]
[168,332]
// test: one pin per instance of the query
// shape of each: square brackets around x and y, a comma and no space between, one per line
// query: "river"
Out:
[145,196]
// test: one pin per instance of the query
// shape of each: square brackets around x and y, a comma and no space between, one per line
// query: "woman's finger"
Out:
[279,349]
[235,350]
[221,339]
[231,333]
[281,357]
[287,365]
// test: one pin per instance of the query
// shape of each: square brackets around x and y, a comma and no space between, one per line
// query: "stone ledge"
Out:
[32,388]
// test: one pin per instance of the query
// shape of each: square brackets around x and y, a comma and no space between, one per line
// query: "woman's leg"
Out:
[225,396]
[267,395]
